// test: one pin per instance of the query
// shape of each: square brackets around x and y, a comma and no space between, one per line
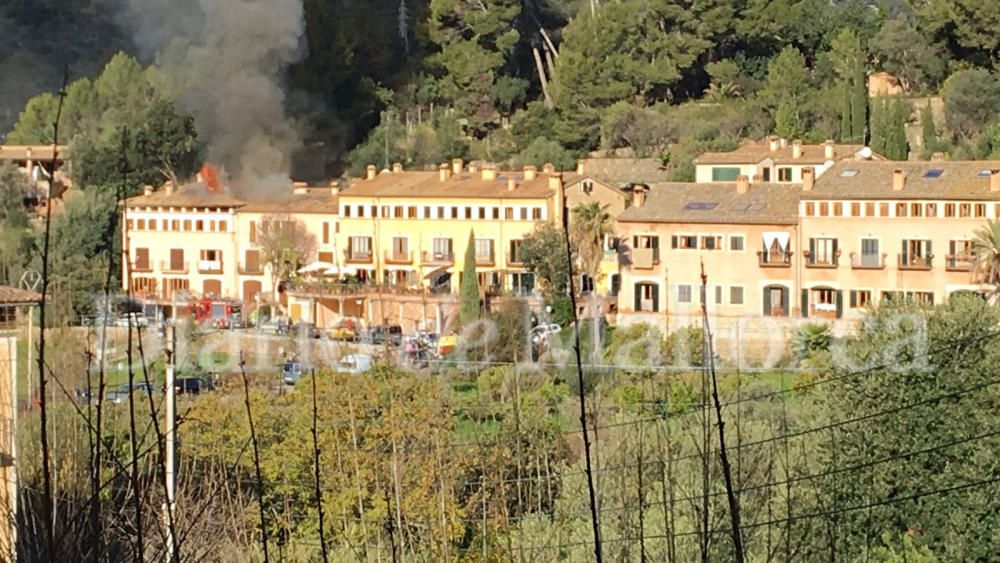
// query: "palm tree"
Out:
[986,249]
[590,224]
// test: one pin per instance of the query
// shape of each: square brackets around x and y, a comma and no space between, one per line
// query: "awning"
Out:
[781,237]
[317,266]
[436,272]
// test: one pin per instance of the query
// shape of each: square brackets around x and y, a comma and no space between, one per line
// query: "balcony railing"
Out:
[174,267]
[829,262]
[767,259]
[394,257]
[959,262]
[868,261]
[357,257]
[210,266]
[485,259]
[142,267]
[645,257]
[438,258]
[911,262]
[253,270]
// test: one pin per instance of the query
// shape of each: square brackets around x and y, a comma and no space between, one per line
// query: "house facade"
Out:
[775,160]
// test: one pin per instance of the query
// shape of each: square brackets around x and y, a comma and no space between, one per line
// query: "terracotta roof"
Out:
[20,152]
[191,195]
[16,296]
[687,202]
[623,171]
[755,151]
[960,180]
[316,200]
[468,185]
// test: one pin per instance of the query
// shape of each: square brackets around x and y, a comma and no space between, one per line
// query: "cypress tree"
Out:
[893,123]
[859,105]
[469,291]
[928,130]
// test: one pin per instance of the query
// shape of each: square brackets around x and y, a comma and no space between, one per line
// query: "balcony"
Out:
[438,258]
[767,259]
[394,257]
[170,267]
[868,261]
[141,267]
[645,258]
[210,266]
[357,257]
[514,259]
[251,270]
[959,262]
[825,262]
[486,259]
[911,262]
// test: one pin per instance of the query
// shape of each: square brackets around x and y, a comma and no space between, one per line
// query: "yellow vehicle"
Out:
[446,344]
[346,330]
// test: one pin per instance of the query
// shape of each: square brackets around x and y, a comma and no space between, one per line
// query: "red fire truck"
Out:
[221,313]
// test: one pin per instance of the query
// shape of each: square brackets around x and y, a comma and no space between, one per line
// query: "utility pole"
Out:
[170,335]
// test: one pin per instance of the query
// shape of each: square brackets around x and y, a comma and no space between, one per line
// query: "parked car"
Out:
[355,363]
[291,372]
[273,325]
[143,386]
[137,320]
[393,334]
[192,385]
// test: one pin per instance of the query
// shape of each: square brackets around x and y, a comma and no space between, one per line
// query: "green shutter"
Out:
[673,241]
[834,258]
[656,297]
[805,303]
[637,289]
[785,298]
[854,298]
[767,302]
[840,303]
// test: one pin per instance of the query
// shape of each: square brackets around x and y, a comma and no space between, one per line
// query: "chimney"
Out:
[994,180]
[796,149]
[511,183]
[444,172]
[898,180]
[639,194]
[489,173]
[168,186]
[529,172]
[783,142]
[334,190]
[147,190]
[456,166]
[828,149]
[370,172]
[579,167]
[742,184]
[397,168]
[772,143]
[808,178]
[555,182]
[548,168]
[756,179]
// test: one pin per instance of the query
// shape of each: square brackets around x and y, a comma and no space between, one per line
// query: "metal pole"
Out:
[171,441]
[31,345]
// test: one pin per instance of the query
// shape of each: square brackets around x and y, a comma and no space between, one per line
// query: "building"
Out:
[623,171]
[36,161]
[865,232]
[775,160]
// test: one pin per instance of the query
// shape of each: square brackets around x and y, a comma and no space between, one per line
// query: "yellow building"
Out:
[775,160]
[828,249]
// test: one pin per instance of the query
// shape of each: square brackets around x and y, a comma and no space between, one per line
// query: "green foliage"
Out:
[543,252]
[849,65]
[469,291]
[788,121]
[643,130]
[908,55]
[928,129]
[889,117]
[971,101]
[686,347]
[966,27]
[788,80]
[986,250]
[811,344]
[542,151]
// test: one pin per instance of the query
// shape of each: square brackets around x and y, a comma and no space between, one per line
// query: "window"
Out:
[361,211]
[468,212]
[496,212]
[964,210]
[484,249]
[784,174]
[810,209]
[152,224]
[711,242]
[949,210]
[199,225]
[411,212]
[766,175]
[482,212]
[647,297]
[725,173]
[524,213]
[454,212]
[736,295]
[869,210]
[916,253]
[684,293]
[515,252]
[900,210]
[441,248]
[187,229]
[683,241]
[175,225]
[980,210]
[427,212]
[616,284]
[776,301]
[347,211]
[587,186]
[586,283]
[869,253]
[361,247]
[838,209]
[397,212]
[536,213]
[508,213]
[129,225]
[824,209]
[325,257]
[823,296]
[930,210]
[718,295]
[823,251]
[213,259]
[141,262]
[860,298]
[916,210]
[855,209]
[441,212]
[849,173]
[736,242]
[883,209]
[400,248]
[933,173]
[176,259]
[326,232]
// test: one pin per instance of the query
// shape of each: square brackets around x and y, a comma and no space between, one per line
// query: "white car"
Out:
[138,319]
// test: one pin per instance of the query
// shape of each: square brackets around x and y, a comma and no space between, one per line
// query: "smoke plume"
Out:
[224,61]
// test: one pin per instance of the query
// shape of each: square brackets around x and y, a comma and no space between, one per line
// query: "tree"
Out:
[908,55]
[469,291]
[590,224]
[788,79]
[889,118]
[543,252]
[788,120]
[966,27]
[849,64]
[285,244]
[986,249]
[971,101]
[928,130]
[542,151]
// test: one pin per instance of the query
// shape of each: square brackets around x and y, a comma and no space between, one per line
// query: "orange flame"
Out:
[210,176]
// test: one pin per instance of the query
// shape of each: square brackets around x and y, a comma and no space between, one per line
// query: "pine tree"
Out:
[787,122]
[469,290]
